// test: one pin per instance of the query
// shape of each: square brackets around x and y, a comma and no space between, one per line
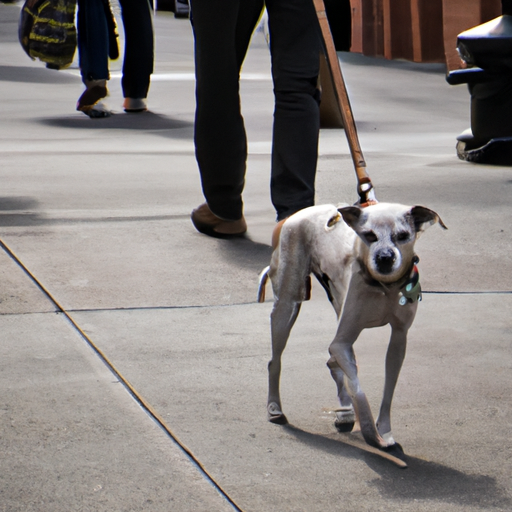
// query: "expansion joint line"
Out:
[132,391]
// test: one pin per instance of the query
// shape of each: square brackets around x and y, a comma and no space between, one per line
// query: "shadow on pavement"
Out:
[141,121]
[17,203]
[423,480]
[19,211]
[22,211]
[247,254]
[36,75]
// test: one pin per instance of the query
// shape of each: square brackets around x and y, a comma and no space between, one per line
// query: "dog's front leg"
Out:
[341,350]
[394,360]
[283,316]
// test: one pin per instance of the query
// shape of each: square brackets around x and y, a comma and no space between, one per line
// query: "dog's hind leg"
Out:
[345,415]
[282,318]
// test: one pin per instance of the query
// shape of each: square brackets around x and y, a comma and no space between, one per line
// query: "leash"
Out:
[411,291]
[365,188]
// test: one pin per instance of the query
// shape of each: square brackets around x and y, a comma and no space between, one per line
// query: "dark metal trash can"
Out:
[487,50]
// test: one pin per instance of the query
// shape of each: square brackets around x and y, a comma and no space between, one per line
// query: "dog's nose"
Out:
[384,260]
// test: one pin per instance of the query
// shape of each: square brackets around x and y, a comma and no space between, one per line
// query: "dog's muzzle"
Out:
[384,261]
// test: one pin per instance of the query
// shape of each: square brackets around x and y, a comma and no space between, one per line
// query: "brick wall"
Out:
[417,30]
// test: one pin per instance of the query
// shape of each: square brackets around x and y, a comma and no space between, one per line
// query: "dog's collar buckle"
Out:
[411,292]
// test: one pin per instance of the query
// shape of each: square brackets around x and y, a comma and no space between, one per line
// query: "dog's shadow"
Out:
[423,480]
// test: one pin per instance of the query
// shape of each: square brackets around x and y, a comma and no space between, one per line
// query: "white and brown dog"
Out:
[364,258]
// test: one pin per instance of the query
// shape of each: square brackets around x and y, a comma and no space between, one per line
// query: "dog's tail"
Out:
[263,283]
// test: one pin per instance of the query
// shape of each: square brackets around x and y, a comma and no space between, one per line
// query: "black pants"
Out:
[222,30]
[93,44]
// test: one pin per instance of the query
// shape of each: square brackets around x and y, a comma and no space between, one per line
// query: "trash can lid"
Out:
[489,45]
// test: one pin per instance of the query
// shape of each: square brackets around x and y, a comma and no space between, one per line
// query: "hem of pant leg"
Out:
[223,217]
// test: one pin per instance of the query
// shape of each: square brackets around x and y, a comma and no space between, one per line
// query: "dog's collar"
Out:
[409,284]
[411,291]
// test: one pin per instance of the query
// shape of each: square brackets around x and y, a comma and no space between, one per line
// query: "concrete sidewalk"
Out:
[97,211]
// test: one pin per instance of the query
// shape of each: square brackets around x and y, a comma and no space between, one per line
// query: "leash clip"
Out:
[366,193]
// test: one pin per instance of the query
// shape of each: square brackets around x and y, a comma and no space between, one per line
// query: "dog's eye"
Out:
[370,237]
[402,236]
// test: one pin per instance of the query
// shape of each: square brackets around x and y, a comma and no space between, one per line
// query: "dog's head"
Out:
[388,233]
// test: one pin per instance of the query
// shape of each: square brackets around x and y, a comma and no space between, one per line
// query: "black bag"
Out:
[47,31]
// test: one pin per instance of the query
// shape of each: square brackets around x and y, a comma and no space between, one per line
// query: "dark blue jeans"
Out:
[93,44]
[222,30]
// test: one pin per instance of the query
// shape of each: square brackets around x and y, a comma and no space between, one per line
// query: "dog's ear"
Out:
[351,215]
[423,217]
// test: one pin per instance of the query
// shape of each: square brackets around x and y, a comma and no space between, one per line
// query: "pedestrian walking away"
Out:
[97,42]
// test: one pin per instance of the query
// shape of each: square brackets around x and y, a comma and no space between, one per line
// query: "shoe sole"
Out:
[209,230]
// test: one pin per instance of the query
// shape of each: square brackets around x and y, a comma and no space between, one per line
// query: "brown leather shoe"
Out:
[209,224]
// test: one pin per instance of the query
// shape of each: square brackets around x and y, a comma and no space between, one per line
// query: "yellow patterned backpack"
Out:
[47,31]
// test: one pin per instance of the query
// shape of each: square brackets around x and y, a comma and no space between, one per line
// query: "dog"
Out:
[364,258]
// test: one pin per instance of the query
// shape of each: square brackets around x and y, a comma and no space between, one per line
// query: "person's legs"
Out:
[295,45]
[138,61]
[222,30]
[92,34]
[92,40]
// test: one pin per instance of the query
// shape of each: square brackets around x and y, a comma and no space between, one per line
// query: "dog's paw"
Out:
[345,420]
[387,438]
[275,415]
[344,427]
[396,450]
